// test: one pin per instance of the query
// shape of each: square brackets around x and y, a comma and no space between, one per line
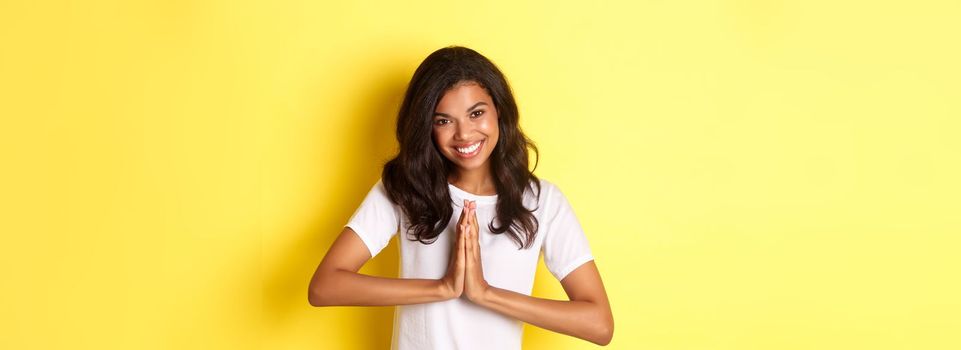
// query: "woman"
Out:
[465,280]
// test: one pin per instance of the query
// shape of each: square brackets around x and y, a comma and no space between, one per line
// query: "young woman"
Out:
[474,220]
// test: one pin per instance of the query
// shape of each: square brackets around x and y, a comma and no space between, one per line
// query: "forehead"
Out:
[461,96]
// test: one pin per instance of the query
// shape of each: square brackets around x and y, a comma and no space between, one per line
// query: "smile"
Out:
[469,151]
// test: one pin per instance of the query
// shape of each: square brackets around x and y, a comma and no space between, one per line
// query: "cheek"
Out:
[486,125]
[440,137]
[490,128]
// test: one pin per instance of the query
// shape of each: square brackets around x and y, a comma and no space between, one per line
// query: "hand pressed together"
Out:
[453,280]
[465,274]
[475,286]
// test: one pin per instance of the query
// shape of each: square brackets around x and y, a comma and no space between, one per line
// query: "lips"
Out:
[469,150]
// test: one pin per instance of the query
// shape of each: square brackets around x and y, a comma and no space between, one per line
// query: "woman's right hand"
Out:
[453,281]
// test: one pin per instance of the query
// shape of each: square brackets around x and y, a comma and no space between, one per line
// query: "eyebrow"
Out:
[478,104]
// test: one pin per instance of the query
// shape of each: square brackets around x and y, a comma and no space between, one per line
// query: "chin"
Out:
[469,164]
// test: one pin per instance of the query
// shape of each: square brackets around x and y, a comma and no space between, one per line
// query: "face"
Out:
[465,126]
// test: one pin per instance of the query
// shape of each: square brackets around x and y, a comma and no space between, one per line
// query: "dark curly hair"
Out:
[416,179]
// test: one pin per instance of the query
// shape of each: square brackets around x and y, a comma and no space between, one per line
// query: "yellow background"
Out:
[751,174]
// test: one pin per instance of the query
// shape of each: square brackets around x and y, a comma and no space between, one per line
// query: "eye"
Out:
[477,113]
[441,122]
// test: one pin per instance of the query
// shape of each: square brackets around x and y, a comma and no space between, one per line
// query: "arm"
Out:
[587,315]
[337,283]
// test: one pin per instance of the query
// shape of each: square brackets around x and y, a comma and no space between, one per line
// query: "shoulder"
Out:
[378,192]
[378,187]
[546,186]
[549,192]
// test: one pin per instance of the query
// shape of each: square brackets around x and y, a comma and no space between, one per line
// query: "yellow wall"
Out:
[751,174]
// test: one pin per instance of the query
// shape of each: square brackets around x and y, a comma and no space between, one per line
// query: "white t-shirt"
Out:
[459,323]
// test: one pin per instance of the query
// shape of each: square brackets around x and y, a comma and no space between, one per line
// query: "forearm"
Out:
[345,288]
[582,319]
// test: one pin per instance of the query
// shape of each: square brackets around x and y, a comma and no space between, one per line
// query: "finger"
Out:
[475,243]
[463,213]
[473,218]
[473,231]
[454,246]
[477,250]
[465,218]
[461,244]
[466,251]
[468,218]
[469,248]
[473,248]
[467,237]
[462,253]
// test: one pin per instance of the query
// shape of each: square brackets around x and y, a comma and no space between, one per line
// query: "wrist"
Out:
[482,296]
[443,290]
[488,295]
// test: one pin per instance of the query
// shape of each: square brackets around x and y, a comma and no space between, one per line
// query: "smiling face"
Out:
[465,126]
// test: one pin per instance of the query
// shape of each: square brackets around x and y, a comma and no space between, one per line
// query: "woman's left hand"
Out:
[475,286]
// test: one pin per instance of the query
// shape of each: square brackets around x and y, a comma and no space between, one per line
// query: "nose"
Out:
[463,131]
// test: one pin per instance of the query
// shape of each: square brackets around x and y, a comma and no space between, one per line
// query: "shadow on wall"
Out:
[371,123]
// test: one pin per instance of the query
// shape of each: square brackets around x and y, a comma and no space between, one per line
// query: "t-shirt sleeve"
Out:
[565,244]
[377,219]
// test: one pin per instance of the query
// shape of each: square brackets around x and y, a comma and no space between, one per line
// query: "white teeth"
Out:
[469,149]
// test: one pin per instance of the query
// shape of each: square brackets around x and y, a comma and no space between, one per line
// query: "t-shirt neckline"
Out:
[470,196]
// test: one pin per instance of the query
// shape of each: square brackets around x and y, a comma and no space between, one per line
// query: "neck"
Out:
[478,181]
